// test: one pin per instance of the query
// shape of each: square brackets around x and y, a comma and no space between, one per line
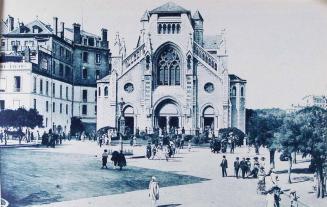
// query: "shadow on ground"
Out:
[30,177]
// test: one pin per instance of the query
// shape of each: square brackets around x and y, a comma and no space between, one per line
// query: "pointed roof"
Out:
[234,77]
[145,16]
[45,28]
[169,7]
[197,16]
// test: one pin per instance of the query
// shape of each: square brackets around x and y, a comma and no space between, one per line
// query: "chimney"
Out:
[62,34]
[77,33]
[104,38]
[10,23]
[55,25]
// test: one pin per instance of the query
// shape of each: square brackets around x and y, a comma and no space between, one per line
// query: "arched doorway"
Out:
[167,115]
[208,118]
[129,119]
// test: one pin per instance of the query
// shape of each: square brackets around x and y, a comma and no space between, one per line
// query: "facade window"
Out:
[41,86]
[67,92]
[85,57]
[85,41]
[84,95]
[99,91]
[46,122]
[34,103]
[95,110]
[61,51]
[106,91]
[34,85]
[66,108]
[60,91]
[95,95]
[44,64]
[91,41]
[84,73]
[84,109]
[47,87]
[169,64]
[2,105]
[68,55]
[53,107]
[67,72]
[60,108]
[98,58]
[53,89]
[61,69]
[53,67]
[17,84]
[47,106]
[32,43]
[242,91]
[3,43]
[233,91]
[97,74]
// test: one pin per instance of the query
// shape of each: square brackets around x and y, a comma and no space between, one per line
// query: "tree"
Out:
[237,133]
[261,127]
[313,135]
[20,118]
[289,138]
[76,125]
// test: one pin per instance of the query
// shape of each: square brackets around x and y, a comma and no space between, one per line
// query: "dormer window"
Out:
[37,29]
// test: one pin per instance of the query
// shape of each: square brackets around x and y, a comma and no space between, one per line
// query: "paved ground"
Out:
[217,191]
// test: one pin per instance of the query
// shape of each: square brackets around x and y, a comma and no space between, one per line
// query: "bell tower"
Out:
[198,28]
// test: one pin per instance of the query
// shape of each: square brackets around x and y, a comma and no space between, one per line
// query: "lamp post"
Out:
[121,123]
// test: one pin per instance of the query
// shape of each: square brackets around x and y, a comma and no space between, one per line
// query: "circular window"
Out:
[209,88]
[129,88]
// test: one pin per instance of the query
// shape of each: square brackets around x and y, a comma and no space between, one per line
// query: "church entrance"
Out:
[129,119]
[208,118]
[167,115]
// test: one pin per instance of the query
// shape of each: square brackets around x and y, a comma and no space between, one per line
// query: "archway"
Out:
[129,119]
[167,115]
[208,118]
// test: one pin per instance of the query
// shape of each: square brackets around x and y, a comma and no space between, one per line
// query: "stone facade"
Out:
[174,78]
[61,66]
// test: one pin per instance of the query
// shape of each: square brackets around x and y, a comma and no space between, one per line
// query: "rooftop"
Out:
[169,7]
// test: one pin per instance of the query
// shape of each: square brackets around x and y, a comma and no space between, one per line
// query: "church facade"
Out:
[176,77]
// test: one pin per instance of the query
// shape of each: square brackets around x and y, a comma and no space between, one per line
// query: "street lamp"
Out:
[121,123]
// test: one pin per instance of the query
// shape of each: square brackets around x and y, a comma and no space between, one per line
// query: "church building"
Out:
[175,77]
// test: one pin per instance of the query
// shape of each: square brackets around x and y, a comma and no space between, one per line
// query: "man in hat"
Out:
[224,166]
[243,166]
[236,166]
[154,191]
[104,159]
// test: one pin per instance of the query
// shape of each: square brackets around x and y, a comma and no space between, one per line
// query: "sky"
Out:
[278,46]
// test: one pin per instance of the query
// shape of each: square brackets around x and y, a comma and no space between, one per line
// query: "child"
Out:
[104,159]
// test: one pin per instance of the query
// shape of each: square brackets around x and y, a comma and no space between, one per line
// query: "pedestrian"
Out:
[104,159]
[294,199]
[236,166]
[263,162]
[148,151]
[224,166]
[121,160]
[261,185]
[189,145]
[154,191]
[248,164]
[243,167]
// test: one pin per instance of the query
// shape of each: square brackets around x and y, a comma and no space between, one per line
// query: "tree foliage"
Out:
[76,125]
[20,118]
[237,133]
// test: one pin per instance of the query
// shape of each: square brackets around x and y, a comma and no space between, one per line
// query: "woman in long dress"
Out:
[154,191]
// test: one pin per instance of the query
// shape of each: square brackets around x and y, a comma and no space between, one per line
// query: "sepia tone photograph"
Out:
[163,103]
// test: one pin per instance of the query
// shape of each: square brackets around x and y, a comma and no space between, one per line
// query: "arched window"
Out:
[233,91]
[106,91]
[99,91]
[169,65]
[242,91]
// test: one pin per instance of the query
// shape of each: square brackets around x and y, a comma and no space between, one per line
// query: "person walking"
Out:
[236,166]
[154,191]
[104,159]
[243,166]
[148,151]
[224,166]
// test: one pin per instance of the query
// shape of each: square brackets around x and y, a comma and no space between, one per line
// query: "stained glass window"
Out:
[169,67]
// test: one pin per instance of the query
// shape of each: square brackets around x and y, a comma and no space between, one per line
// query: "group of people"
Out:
[267,181]
[118,159]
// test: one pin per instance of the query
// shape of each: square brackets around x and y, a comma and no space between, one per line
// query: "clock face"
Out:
[129,87]
[209,87]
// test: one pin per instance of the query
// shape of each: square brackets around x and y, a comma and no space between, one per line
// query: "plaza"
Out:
[72,176]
